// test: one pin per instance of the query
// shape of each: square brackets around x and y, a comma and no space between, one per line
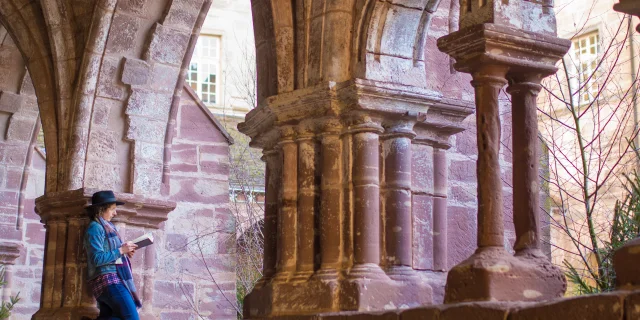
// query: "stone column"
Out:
[272,161]
[287,216]
[329,219]
[440,177]
[506,52]
[366,198]
[487,84]
[65,294]
[397,201]
[148,280]
[9,252]
[306,202]
[331,201]
[526,188]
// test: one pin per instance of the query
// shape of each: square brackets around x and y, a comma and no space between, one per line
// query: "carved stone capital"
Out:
[384,101]
[630,7]
[137,210]
[9,252]
[520,51]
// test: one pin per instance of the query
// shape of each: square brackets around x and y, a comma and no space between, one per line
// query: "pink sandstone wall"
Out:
[194,265]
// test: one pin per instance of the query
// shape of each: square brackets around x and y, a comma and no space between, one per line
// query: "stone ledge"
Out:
[138,210]
[617,305]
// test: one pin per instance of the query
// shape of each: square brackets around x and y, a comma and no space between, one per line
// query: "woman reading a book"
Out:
[108,266]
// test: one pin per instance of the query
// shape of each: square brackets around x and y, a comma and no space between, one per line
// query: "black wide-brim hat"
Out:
[104,197]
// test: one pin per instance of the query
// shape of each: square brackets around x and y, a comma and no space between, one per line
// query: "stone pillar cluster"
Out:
[497,51]
[65,294]
[339,196]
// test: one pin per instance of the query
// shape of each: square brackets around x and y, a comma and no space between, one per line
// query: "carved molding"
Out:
[138,210]
[386,101]
[521,51]
[9,252]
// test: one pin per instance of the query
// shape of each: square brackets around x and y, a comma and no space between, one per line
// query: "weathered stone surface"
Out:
[135,72]
[10,102]
[603,306]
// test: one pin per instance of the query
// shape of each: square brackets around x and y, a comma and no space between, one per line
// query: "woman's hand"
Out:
[128,248]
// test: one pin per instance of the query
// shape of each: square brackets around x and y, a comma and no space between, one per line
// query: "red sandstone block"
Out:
[212,167]
[173,294]
[36,256]
[422,167]
[122,35]
[180,167]
[461,233]
[466,142]
[20,128]
[109,85]
[10,102]
[476,310]
[464,193]
[133,6]
[150,104]
[462,171]
[30,209]
[199,190]
[15,155]
[182,15]
[35,233]
[422,232]
[165,77]
[148,130]
[103,146]
[222,150]
[176,242]
[184,153]
[135,72]
[14,179]
[100,114]
[607,306]
[9,198]
[214,301]
[168,45]
[216,264]
[429,313]
[195,125]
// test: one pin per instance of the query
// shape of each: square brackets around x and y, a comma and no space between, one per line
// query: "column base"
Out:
[379,295]
[626,267]
[291,298]
[402,273]
[320,296]
[68,313]
[492,274]
[367,271]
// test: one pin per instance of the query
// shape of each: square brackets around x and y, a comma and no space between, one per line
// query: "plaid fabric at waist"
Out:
[99,283]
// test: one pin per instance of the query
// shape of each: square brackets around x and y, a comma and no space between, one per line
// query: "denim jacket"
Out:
[101,257]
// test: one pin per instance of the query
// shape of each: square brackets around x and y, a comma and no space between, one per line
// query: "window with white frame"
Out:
[586,53]
[203,74]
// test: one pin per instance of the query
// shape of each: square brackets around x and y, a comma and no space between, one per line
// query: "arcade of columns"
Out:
[343,97]
[338,215]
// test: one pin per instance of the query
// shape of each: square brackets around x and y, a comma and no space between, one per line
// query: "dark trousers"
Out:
[116,303]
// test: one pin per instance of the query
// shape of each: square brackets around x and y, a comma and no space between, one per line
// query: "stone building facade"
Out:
[599,70]
[355,104]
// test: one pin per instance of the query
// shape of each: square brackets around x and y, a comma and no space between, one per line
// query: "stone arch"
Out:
[96,59]
[303,43]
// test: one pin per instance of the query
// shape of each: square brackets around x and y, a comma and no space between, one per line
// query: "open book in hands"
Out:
[144,240]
